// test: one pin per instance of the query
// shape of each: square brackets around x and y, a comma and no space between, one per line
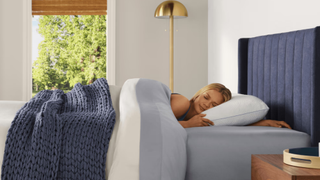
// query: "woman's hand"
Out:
[197,121]
[272,123]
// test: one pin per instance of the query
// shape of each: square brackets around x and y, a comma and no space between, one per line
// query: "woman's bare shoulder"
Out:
[179,104]
[179,99]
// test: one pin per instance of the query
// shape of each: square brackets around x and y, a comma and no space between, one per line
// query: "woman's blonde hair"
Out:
[225,92]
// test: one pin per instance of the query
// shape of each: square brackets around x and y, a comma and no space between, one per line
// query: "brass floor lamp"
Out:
[171,9]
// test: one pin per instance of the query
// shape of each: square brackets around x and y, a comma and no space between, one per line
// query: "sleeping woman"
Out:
[188,112]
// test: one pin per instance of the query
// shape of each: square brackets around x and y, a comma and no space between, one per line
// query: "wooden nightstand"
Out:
[271,167]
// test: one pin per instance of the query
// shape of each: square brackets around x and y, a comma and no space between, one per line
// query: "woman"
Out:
[188,112]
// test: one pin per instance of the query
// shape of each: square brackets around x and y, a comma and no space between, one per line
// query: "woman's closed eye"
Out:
[207,98]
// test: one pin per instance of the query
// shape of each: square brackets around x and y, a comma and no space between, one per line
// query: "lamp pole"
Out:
[171,53]
[168,9]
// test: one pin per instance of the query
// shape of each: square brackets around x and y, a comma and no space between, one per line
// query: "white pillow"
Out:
[238,111]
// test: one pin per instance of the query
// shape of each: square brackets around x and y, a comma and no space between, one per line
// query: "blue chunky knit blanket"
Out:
[61,136]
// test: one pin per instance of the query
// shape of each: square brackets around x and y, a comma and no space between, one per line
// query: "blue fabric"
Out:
[185,114]
[61,136]
[283,70]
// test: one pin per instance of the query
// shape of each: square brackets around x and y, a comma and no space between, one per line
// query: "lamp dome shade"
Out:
[171,8]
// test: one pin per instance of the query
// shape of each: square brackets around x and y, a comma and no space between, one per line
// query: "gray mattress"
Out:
[224,152]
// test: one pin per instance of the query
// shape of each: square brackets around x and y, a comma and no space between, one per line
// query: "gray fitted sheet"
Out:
[224,152]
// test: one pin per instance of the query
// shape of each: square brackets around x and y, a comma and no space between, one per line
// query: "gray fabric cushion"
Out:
[224,152]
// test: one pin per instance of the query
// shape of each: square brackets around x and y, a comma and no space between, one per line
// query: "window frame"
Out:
[27,47]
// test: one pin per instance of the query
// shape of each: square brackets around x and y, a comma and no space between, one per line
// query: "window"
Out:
[73,48]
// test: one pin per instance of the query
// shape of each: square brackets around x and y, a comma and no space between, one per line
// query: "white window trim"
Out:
[27,46]
[111,42]
[27,50]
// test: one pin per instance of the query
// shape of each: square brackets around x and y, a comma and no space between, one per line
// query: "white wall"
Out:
[11,50]
[229,20]
[142,44]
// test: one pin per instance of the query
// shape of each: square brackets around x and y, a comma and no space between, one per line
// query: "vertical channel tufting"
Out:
[289,78]
[267,72]
[276,72]
[255,66]
[315,97]
[306,79]
[260,64]
[274,75]
[281,69]
[297,80]
[250,75]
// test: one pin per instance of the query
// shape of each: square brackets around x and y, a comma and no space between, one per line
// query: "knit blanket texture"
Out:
[59,135]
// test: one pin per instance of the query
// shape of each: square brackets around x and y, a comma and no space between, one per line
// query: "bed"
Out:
[280,69]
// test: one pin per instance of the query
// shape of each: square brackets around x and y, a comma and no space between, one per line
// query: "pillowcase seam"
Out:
[238,115]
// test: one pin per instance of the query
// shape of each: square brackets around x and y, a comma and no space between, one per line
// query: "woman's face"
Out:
[207,100]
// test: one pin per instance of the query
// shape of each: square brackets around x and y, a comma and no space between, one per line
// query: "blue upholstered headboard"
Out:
[284,71]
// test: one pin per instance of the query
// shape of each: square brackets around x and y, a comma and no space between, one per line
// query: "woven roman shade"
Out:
[69,7]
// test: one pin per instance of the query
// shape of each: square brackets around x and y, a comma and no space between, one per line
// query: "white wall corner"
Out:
[111,42]
[27,51]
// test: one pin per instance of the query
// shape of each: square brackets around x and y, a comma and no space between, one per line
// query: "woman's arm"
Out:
[180,105]
[184,124]
[272,123]
[196,121]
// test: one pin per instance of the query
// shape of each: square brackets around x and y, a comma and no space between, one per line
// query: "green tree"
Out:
[73,50]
